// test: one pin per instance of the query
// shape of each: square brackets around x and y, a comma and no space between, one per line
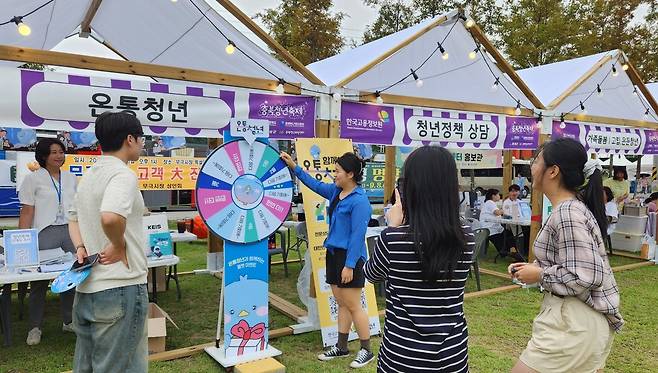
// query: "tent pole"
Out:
[507,170]
[389,174]
[537,201]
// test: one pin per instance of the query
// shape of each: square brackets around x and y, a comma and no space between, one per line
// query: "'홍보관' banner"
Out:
[409,126]
[65,102]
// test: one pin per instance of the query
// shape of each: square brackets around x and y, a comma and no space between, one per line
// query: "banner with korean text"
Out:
[607,139]
[415,126]
[50,100]
[153,173]
[318,158]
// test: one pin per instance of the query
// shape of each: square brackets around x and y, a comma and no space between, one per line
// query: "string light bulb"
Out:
[599,91]
[635,91]
[280,88]
[582,108]
[336,96]
[474,53]
[230,47]
[419,82]
[614,70]
[494,87]
[517,111]
[646,115]
[22,28]
[444,54]
[540,119]
[562,124]
[470,23]
[378,98]
[624,66]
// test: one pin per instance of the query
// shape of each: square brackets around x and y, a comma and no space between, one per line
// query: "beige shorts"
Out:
[568,336]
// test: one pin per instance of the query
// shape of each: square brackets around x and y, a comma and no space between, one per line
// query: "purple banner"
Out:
[67,102]
[290,116]
[606,139]
[651,142]
[521,133]
[376,124]
[366,123]
[566,129]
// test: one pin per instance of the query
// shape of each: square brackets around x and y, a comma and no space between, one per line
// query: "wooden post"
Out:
[215,243]
[638,171]
[389,173]
[537,201]
[507,170]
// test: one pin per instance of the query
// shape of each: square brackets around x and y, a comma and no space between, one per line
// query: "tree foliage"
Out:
[306,28]
[537,32]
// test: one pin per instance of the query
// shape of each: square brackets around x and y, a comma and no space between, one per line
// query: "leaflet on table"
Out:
[21,248]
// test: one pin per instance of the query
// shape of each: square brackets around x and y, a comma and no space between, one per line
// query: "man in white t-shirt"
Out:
[110,308]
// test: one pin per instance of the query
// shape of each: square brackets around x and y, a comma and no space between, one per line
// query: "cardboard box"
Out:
[160,276]
[269,365]
[157,328]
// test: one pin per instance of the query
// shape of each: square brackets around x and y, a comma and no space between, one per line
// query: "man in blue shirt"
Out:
[348,214]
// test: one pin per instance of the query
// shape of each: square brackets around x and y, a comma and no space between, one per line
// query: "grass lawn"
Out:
[499,325]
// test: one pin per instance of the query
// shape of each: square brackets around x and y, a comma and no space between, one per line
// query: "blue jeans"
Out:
[111,330]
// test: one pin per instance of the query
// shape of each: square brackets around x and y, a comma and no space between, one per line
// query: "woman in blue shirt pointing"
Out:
[348,215]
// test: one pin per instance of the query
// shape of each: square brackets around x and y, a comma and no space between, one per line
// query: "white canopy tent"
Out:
[377,65]
[623,100]
[162,33]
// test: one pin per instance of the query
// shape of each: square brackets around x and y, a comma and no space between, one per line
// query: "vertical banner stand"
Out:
[244,194]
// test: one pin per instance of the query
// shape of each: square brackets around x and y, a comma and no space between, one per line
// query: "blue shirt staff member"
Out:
[349,213]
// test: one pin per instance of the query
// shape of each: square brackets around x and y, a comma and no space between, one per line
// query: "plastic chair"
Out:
[302,238]
[481,242]
[278,250]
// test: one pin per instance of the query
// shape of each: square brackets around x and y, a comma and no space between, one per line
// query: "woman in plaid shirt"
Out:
[580,312]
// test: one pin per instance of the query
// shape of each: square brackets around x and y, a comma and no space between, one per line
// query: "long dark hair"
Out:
[570,156]
[652,197]
[430,204]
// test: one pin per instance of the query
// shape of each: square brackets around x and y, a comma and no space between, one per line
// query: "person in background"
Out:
[4,140]
[650,202]
[111,306]
[575,327]
[619,184]
[611,209]
[502,239]
[511,207]
[424,257]
[45,196]
[348,216]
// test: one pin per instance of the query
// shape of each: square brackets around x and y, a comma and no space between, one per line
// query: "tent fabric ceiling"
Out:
[543,79]
[550,81]
[163,33]
[457,79]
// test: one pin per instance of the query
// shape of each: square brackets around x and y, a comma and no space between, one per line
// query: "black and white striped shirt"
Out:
[425,327]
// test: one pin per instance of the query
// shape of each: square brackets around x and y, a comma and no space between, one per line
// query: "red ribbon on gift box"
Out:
[246,333]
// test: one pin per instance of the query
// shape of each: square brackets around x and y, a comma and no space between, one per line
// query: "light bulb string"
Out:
[27,14]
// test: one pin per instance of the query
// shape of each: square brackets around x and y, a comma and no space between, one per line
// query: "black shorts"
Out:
[335,264]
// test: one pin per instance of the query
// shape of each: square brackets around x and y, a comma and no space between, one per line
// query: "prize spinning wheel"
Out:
[244,192]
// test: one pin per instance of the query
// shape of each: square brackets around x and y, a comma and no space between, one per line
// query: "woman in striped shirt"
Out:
[424,257]
[580,311]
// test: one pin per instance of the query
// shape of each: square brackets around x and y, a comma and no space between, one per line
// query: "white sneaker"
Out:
[34,337]
[68,328]
[363,357]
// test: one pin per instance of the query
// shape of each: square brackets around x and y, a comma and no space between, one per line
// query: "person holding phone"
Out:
[424,256]
[45,196]
[348,216]
[579,316]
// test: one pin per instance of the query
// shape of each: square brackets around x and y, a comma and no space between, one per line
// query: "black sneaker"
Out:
[332,353]
[363,357]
